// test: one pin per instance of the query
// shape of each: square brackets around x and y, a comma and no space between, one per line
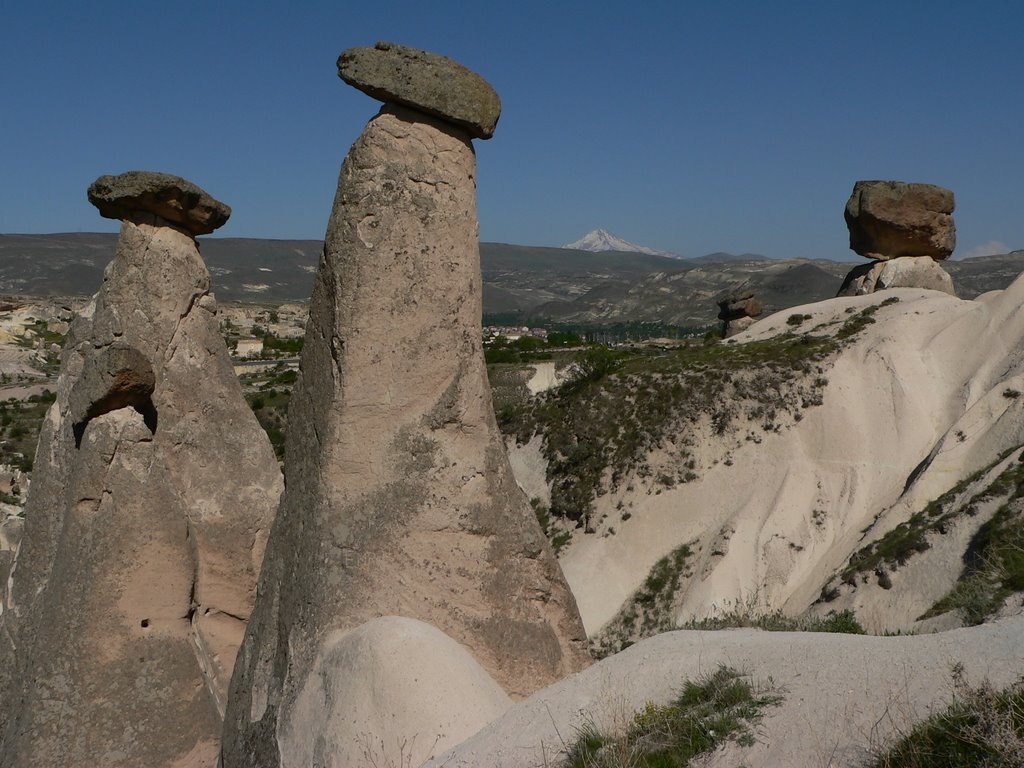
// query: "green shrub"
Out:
[709,712]
[982,728]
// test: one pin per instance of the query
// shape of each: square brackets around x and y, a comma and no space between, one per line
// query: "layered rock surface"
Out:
[153,493]
[400,499]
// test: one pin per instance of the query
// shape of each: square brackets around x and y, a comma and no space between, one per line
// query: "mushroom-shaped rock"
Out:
[137,568]
[172,198]
[889,219]
[740,303]
[425,81]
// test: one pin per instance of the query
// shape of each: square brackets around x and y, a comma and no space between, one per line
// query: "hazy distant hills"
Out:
[556,283]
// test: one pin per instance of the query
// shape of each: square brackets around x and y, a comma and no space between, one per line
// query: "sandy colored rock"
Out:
[424,81]
[888,219]
[901,272]
[841,695]
[393,691]
[153,492]
[130,196]
[400,499]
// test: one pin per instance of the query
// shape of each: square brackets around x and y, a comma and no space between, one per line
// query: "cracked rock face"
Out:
[400,499]
[153,493]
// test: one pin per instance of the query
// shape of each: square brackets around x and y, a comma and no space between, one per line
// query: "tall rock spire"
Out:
[400,499]
[153,494]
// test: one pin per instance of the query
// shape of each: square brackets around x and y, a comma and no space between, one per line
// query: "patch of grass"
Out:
[983,727]
[650,610]
[899,545]
[840,622]
[709,712]
[994,563]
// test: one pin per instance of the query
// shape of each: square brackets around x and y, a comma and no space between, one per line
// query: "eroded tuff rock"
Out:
[153,493]
[425,81]
[140,195]
[902,272]
[737,311]
[889,219]
[400,498]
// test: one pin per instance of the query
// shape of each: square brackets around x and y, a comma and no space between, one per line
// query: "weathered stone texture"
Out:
[139,195]
[903,272]
[425,81]
[400,499]
[889,219]
[153,493]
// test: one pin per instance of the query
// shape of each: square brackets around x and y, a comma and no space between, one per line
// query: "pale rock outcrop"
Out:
[737,311]
[901,272]
[400,499]
[394,691]
[145,524]
[906,229]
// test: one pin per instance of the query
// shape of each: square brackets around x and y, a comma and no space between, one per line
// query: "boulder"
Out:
[739,304]
[737,311]
[425,81]
[400,497]
[902,272]
[153,492]
[140,195]
[889,219]
[393,691]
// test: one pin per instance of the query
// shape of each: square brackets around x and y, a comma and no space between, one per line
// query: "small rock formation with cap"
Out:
[737,311]
[153,494]
[400,498]
[906,229]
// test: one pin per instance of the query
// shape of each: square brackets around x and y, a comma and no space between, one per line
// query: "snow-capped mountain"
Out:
[602,240]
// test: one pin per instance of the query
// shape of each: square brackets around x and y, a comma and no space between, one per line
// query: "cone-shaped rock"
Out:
[400,499]
[153,494]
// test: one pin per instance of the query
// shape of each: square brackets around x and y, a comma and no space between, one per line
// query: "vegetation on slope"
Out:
[708,712]
[899,545]
[994,562]
[982,728]
[600,428]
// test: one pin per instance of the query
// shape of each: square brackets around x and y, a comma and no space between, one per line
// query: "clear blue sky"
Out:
[692,127]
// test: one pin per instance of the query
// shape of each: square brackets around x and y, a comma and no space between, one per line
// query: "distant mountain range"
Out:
[524,282]
[600,240]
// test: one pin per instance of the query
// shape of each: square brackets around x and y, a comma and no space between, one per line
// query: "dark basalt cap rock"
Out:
[739,303]
[425,81]
[170,197]
[890,219]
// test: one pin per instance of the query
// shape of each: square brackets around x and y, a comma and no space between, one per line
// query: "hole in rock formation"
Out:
[144,623]
[117,378]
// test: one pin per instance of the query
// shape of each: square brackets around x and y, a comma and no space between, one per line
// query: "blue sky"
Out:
[692,127]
